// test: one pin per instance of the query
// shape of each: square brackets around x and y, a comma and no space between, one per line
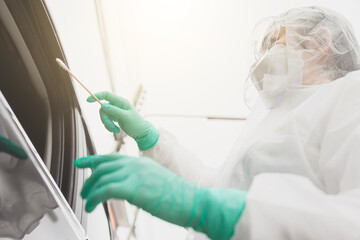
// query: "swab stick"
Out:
[63,66]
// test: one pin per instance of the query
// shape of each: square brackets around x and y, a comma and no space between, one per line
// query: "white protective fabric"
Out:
[298,161]
[24,198]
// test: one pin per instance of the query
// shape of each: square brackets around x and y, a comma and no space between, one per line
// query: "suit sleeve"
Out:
[171,154]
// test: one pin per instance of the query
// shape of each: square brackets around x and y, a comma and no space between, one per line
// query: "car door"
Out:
[43,99]
[32,205]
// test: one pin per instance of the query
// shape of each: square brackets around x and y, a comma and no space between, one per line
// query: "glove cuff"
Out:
[221,210]
[149,139]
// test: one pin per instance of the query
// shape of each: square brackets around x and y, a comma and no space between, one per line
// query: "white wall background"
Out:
[191,56]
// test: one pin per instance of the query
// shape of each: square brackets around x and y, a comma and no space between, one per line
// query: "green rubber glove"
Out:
[11,148]
[152,187]
[121,111]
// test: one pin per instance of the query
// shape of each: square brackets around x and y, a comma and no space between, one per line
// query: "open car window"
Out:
[32,205]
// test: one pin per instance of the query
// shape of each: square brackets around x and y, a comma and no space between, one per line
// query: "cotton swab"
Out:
[63,66]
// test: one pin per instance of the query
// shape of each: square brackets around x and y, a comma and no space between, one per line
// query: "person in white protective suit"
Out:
[294,173]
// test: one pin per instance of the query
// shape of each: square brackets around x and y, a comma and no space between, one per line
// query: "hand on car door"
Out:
[11,148]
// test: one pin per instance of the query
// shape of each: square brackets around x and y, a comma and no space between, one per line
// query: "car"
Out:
[40,110]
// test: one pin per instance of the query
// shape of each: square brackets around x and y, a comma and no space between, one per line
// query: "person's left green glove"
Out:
[121,111]
[11,148]
[152,187]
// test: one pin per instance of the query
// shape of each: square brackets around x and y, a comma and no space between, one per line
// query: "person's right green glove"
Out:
[121,111]
[152,187]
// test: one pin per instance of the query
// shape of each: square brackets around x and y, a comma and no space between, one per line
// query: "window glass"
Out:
[21,93]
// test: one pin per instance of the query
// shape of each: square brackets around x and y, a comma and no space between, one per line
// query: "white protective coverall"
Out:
[298,160]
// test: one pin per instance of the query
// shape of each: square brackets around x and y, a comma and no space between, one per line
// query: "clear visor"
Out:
[319,41]
[265,35]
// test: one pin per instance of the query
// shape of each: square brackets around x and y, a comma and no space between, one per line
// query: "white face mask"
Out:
[279,69]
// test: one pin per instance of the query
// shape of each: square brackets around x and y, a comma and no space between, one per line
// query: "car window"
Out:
[20,91]
[32,205]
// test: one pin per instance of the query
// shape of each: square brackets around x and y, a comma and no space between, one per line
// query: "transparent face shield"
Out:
[323,39]
[265,35]
[301,48]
